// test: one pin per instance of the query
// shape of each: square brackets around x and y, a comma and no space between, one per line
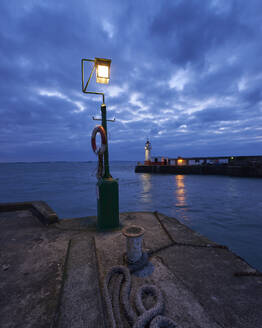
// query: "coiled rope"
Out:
[119,287]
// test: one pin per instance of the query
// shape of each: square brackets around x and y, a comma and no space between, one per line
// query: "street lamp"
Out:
[102,70]
[107,187]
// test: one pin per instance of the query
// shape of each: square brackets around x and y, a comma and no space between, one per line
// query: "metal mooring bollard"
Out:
[134,238]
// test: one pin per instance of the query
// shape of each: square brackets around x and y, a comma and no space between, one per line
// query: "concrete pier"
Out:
[214,169]
[52,271]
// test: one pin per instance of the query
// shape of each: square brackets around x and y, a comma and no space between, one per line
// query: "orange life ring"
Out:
[101,130]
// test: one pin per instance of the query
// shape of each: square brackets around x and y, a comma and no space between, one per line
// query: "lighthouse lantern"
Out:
[147,153]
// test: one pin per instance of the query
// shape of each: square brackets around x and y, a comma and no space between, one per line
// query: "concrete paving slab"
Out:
[199,284]
[180,233]
[209,273]
[81,304]
[181,304]
[31,267]
[112,245]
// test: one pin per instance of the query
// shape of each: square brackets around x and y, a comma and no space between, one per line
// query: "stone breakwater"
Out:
[221,169]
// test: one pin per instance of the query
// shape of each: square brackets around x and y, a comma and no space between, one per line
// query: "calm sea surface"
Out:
[228,210]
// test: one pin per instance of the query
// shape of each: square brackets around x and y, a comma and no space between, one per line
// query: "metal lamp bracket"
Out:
[84,86]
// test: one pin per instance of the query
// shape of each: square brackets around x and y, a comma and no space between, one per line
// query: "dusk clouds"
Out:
[185,73]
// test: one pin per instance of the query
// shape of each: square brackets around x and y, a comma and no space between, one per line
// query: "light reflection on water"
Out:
[146,196]
[180,193]
[180,197]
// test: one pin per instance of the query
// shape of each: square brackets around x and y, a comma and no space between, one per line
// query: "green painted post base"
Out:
[107,204]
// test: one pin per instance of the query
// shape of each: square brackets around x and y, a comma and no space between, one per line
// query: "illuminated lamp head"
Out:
[102,70]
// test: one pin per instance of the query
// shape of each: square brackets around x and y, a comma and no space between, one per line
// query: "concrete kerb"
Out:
[80,304]
[38,208]
[56,318]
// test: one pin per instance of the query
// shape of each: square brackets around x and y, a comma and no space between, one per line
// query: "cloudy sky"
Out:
[185,73]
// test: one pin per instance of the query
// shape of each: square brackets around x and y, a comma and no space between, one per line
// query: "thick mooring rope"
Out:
[118,283]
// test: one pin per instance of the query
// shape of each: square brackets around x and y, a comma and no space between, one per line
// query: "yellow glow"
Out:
[103,71]
[102,74]
[180,191]
[179,161]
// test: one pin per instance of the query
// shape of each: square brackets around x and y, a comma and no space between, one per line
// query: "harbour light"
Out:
[102,70]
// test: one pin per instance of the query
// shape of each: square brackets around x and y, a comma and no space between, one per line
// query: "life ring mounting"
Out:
[101,130]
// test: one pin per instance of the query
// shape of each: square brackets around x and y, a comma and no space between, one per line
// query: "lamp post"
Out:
[107,187]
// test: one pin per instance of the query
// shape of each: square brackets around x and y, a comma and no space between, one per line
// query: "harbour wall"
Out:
[220,169]
[192,281]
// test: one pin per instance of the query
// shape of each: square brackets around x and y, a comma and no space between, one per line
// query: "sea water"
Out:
[226,209]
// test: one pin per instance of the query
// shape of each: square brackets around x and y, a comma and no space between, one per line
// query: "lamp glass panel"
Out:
[103,71]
